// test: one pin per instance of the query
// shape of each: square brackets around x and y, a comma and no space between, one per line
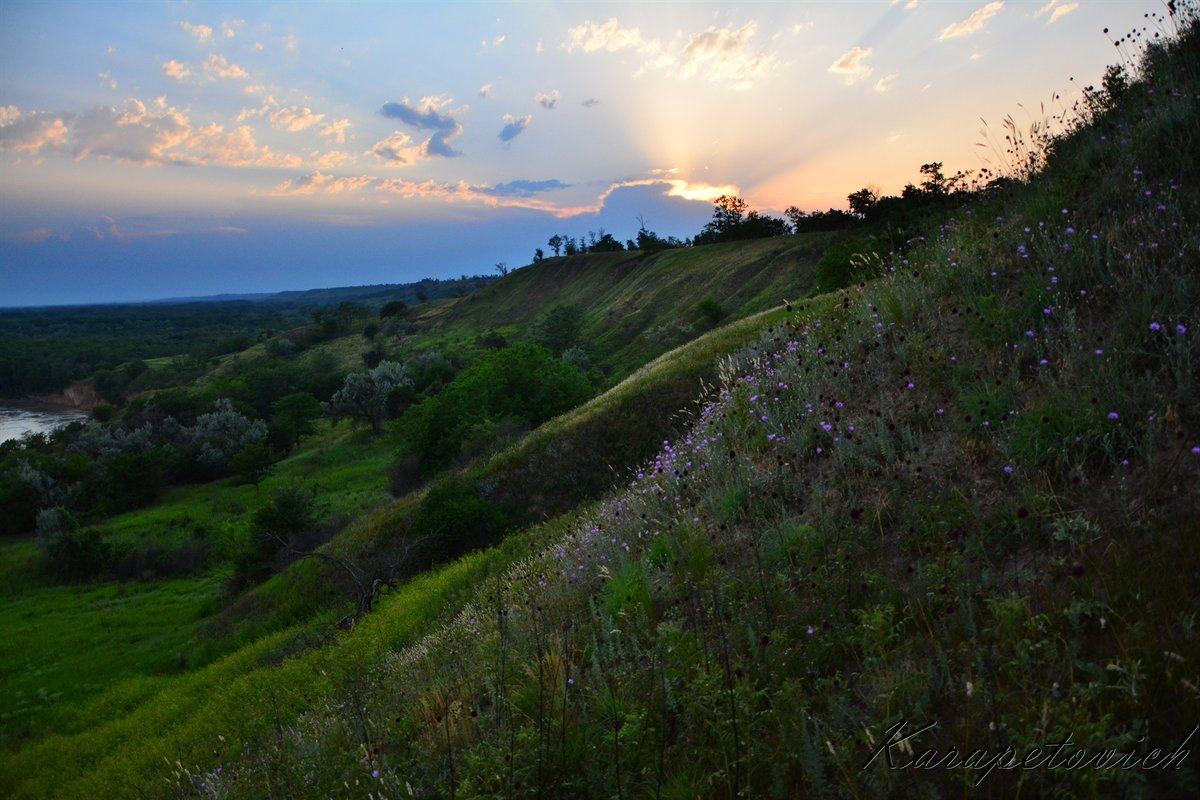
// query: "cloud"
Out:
[547,101]
[230,27]
[32,133]
[294,119]
[590,102]
[33,237]
[399,150]
[336,130]
[499,40]
[485,90]
[973,23]
[524,188]
[718,55]
[134,134]
[884,84]
[107,77]
[590,37]
[909,6]
[514,127]
[514,194]
[324,183]
[722,55]
[237,148]
[851,64]
[1056,10]
[203,33]
[176,70]
[219,67]
[429,116]
[329,160]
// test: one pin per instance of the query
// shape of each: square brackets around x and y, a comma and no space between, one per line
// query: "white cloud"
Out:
[203,33]
[852,64]
[230,27]
[884,84]
[547,101]
[1057,10]
[485,90]
[973,23]
[106,77]
[499,40]
[718,55]
[590,37]
[722,55]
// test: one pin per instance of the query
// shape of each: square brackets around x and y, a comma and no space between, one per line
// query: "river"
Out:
[18,417]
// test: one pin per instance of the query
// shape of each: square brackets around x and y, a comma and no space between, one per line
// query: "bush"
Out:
[711,310]
[453,519]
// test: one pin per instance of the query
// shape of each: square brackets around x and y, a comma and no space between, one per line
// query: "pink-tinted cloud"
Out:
[134,134]
[175,69]
[216,66]
[295,118]
[203,33]
[32,133]
[237,148]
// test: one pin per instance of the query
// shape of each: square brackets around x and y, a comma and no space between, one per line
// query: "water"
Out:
[20,418]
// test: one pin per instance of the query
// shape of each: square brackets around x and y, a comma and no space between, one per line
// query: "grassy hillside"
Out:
[965,494]
[957,502]
[635,305]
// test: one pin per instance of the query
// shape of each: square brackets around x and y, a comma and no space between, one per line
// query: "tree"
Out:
[502,268]
[364,395]
[556,244]
[862,201]
[253,463]
[393,308]
[558,329]
[292,416]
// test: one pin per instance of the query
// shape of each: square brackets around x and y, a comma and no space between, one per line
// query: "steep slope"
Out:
[961,504]
[633,305]
[958,503]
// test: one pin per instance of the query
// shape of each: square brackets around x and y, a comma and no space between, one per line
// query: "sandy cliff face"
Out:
[79,395]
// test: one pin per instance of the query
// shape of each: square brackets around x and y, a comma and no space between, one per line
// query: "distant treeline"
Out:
[734,220]
[43,350]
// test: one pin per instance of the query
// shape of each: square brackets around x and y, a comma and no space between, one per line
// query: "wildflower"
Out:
[912,385]
[810,630]
[1181,329]
[1113,415]
[1043,362]
[1070,231]
[1029,334]
[1154,326]
[1008,469]
[570,681]
[374,773]
[941,411]
[1099,351]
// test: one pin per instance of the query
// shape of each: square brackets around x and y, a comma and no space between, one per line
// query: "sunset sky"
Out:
[152,150]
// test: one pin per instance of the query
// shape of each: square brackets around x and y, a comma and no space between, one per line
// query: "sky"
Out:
[170,149]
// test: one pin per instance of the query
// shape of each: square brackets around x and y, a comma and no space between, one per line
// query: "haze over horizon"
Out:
[153,150]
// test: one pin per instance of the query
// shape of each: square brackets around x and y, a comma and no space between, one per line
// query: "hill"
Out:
[931,534]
